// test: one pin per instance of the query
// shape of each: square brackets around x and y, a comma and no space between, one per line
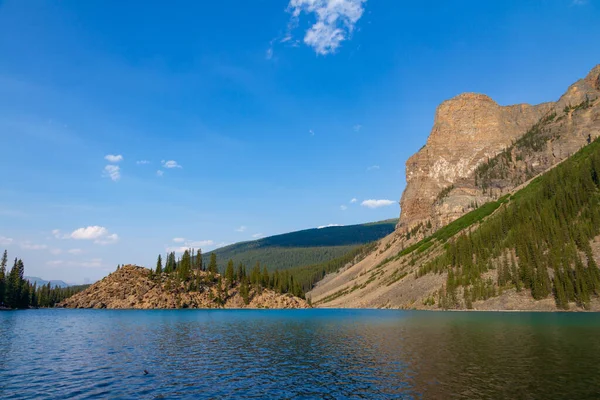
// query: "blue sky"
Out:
[129,128]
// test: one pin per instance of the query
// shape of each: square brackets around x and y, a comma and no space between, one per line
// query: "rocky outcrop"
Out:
[471,129]
[135,287]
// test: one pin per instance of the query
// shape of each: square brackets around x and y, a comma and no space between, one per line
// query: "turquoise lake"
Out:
[331,354]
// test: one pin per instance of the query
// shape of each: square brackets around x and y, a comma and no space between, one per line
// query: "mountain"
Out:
[501,211]
[477,150]
[306,247]
[42,282]
[136,287]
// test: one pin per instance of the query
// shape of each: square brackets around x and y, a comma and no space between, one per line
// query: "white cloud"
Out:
[353,200]
[257,235]
[56,233]
[98,234]
[113,158]
[55,251]
[373,168]
[269,53]
[31,246]
[241,229]
[55,262]
[75,251]
[335,21]
[142,162]
[357,127]
[112,171]
[312,133]
[328,226]
[179,240]
[89,233]
[159,173]
[5,241]
[170,164]
[377,203]
[343,207]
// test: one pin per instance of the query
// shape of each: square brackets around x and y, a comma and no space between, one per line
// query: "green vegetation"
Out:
[17,292]
[195,276]
[307,276]
[302,248]
[539,240]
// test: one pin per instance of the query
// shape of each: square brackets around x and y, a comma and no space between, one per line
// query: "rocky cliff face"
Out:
[134,287]
[471,129]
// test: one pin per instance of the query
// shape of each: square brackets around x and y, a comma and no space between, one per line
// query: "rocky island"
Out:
[134,287]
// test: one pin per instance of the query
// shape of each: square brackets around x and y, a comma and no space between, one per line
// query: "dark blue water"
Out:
[329,354]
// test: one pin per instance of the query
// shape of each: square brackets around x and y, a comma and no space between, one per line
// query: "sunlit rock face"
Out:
[471,128]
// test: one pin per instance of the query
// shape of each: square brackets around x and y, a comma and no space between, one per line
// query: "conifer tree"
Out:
[229,274]
[198,261]
[159,265]
[245,291]
[3,263]
[212,266]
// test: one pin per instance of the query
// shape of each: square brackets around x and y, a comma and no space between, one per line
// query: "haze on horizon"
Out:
[130,131]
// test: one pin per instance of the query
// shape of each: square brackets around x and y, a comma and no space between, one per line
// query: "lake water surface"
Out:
[298,354]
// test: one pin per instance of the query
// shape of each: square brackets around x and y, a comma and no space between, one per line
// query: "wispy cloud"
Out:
[31,246]
[170,164]
[241,229]
[343,207]
[160,173]
[112,171]
[328,226]
[312,133]
[55,252]
[189,244]
[372,203]
[335,22]
[257,235]
[5,241]
[113,158]
[142,162]
[357,127]
[579,2]
[75,251]
[353,200]
[373,168]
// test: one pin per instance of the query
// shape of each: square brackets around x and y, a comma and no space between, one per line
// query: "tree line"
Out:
[191,272]
[17,292]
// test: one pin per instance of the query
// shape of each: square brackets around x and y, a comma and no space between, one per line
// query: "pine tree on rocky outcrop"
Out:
[198,261]
[245,291]
[159,267]
[229,273]
[212,265]
[185,266]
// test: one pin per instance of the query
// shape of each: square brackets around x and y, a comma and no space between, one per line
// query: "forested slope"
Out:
[303,248]
[538,243]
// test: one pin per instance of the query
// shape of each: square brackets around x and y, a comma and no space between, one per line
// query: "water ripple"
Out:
[304,354]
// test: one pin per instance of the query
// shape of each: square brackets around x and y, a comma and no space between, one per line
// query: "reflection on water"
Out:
[298,353]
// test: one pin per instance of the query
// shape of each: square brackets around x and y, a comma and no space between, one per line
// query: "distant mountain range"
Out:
[305,247]
[41,282]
